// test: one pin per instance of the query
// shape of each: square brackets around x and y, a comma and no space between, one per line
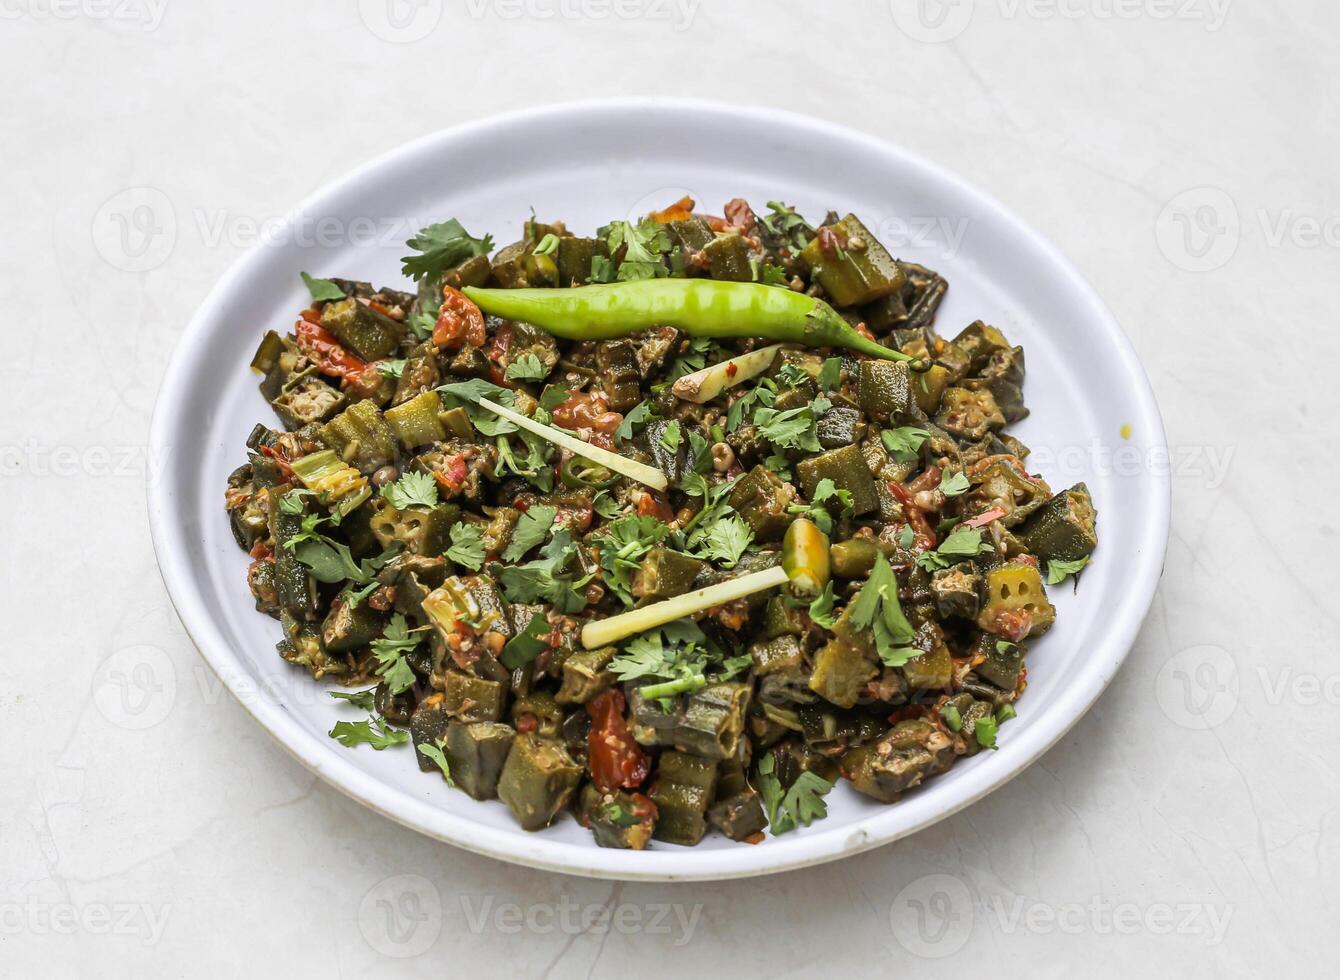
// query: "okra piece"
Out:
[585,675]
[691,234]
[780,619]
[841,672]
[957,591]
[307,400]
[684,789]
[537,781]
[302,646]
[970,415]
[294,586]
[1002,662]
[335,483]
[787,686]
[978,341]
[794,756]
[728,259]
[902,759]
[1016,606]
[361,436]
[859,271]
[470,698]
[416,422]
[738,811]
[428,726]
[541,708]
[348,627]
[664,574]
[476,753]
[651,723]
[847,468]
[854,558]
[422,530]
[840,426]
[713,721]
[620,375]
[928,388]
[761,499]
[931,671]
[1064,528]
[617,819]
[575,256]
[781,653]
[369,334]
[1006,484]
[885,391]
[1003,376]
[669,461]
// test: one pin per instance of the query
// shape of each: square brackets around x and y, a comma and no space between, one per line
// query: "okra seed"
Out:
[723,457]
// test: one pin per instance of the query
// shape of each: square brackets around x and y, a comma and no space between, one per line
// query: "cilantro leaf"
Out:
[791,429]
[390,650]
[800,805]
[622,546]
[963,542]
[542,580]
[322,289]
[528,644]
[433,751]
[374,732]
[530,530]
[467,546]
[821,608]
[830,376]
[527,367]
[670,437]
[422,323]
[553,396]
[1058,571]
[636,420]
[953,484]
[785,223]
[643,244]
[548,245]
[726,540]
[411,490]
[818,510]
[876,608]
[392,368]
[443,246]
[359,699]
[904,443]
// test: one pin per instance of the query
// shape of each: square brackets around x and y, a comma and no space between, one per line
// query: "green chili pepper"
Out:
[581,474]
[699,307]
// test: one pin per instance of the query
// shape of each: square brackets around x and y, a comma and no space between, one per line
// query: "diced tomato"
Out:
[616,760]
[587,410]
[331,358]
[681,210]
[261,550]
[1013,624]
[741,216]
[732,369]
[985,517]
[459,322]
[453,474]
[654,505]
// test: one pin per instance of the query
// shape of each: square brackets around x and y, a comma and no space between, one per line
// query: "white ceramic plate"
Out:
[586,163]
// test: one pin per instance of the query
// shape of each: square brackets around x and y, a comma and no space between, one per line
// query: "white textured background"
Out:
[1182,152]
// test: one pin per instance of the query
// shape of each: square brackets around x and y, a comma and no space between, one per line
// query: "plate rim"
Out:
[171,547]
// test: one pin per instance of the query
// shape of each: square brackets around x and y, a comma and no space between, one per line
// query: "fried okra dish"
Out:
[672,527]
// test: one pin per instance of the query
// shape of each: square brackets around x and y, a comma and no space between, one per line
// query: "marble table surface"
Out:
[1182,152]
